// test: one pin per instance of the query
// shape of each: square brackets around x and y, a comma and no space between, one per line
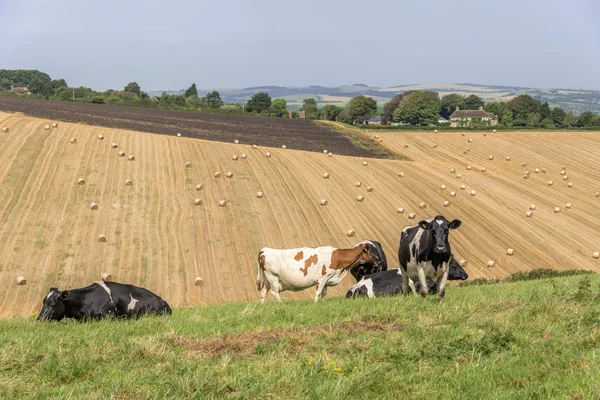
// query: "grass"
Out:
[529,339]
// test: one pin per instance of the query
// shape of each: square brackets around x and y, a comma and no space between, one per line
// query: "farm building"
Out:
[468,118]
[442,120]
[374,120]
[20,90]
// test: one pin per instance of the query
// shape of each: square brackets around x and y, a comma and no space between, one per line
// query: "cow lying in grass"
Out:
[298,269]
[389,283]
[101,300]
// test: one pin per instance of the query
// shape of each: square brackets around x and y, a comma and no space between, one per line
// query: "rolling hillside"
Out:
[158,238]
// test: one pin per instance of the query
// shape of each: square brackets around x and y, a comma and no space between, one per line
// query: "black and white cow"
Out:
[424,253]
[101,300]
[371,268]
[389,283]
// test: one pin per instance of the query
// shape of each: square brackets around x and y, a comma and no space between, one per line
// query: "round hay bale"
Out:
[543,170]
[73,140]
[102,238]
[325,152]
[406,146]
[462,134]
[234,157]
[556,209]
[597,194]
[217,174]
[21,281]
[568,205]
[564,167]
[563,172]
[121,154]
[462,263]
[422,205]
[491,263]
[473,192]
[93,206]
[113,145]
[357,184]
[596,254]
[376,136]
[81,181]
[435,131]
[229,174]
[268,154]
[236,141]
[197,202]
[527,173]
[54,125]
[463,187]
[458,176]
[179,135]
[198,282]
[446,203]
[400,210]
[443,187]
[452,170]
[350,233]
[199,186]
[483,169]
[369,188]
[330,154]
[100,137]
[244,156]
[188,164]
[510,252]
[570,184]
[507,158]
[131,158]
[323,202]
[411,216]
[525,176]
[325,175]
[528,214]
[106,276]
[452,194]
[47,127]
[254,146]
[284,146]
[493,130]
[470,140]
[359,198]
[434,145]
[523,164]
[550,183]
[469,168]
[467,149]
[401,174]
[5,129]
[532,206]
[259,195]
[565,178]
[128,182]
[485,134]
[365,163]
[490,158]
[222,203]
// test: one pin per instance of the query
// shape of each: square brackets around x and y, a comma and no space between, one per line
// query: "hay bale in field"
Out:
[121,154]
[507,158]
[556,209]
[483,169]
[485,134]
[128,182]
[131,158]
[325,152]
[100,137]
[198,282]
[406,146]
[199,186]
[73,140]
[422,205]
[411,216]
[543,170]
[537,171]
[330,154]
[434,145]
[234,157]
[93,206]
[523,164]
[462,134]
[244,156]
[222,203]
[401,174]
[443,187]
[5,129]
[491,263]
[81,181]
[470,140]
[473,193]
[268,154]
[325,175]
[357,184]
[463,187]
[469,168]
[565,178]
[452,194]
[350,233]
[435,131]
[323,202]
[458,176]
[597,194]
[197,202]
[284,146]
[568,205]
[229,174]
[179,135]
[550,183]
[596,254]
[570,184]
[452,170]
[113,145]
[525,176]
[493,130]
[359,198]
[102,238]
[259,195]
[188,164]
[369,188]
[510,252]
[47,127]
[21,281]
[365,163]
[217,174]
[490,158]
[106,276]
[236,141]
[528,214]
[54,125]
[563,172]
[400,210]
[467,149]
[462,263]
[532,206]
[446,203]
[254,146]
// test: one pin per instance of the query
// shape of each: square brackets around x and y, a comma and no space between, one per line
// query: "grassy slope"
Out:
[535,339]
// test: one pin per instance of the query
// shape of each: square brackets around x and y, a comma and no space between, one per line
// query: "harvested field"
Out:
[295,134]
[158,238]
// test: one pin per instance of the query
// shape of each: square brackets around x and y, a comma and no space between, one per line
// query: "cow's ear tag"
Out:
[424,226]
[64,295]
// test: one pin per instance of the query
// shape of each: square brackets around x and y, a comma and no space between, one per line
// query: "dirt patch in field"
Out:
[245,344]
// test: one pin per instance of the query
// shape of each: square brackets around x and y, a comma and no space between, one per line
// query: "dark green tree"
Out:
[521,106]
[545,111]
[472,102]
[419,108]
[570,120]
[191,91]
[507,118]
[330,112]
[278,109]
[389,107]
[259,103]
[295,114]
[5,84]
[133,87]
[588,118]
[449,104]
[494,107]
[213,99]
[558,116]
[310,109]
[361,108]
[533,119]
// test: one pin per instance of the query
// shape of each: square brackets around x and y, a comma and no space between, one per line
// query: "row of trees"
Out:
[37,82]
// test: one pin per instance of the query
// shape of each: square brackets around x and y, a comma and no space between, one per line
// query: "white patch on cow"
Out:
[49,294]
[103,285]
[439,222]
[132,303]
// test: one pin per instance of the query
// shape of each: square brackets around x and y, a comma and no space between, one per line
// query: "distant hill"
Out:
[575,100]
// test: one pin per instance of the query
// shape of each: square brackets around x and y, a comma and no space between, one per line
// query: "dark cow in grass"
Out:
[424,254]
[101,300]
[389,283]
[371,268]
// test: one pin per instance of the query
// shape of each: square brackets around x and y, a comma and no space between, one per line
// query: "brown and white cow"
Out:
[298,269]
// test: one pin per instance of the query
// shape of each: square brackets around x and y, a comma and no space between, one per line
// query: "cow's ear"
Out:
[64,295]
[424,224]
[455,224]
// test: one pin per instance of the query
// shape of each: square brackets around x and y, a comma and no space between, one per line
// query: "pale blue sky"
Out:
[242,43]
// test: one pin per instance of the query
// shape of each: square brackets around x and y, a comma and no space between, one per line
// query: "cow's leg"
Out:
[412,286]
[405,283]
[263,293]
[422,281]
[320,287]
[275,294]
[442,283]
[324,292]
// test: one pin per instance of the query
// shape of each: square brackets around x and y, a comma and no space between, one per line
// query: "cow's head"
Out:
[456,273]
[369,268]
[53,307]
[439,228]
[369,254]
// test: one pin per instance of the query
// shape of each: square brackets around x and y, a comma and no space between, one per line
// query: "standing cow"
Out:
[101,300]
[371,268]
[424,253]
[298,269]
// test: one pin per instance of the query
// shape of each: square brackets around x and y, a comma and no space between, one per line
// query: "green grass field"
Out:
[524,340]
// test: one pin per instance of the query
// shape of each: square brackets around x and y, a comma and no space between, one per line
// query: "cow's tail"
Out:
[260,275]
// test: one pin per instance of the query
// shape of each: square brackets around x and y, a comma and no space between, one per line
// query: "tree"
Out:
[507,118]
[295,114]
[343,116]
[194,102]
[330,112]
[558,116]
[5,84]
[191,91]
[494,107]
[36,85]
[544,111]
[449,104]
[472,102]
[361,108]
[569,120]
[419,108]
[587,118]
[310,109]
[278,108]
[533,119]
[213,99]
[521,106]
[259,103]
[390,107]
[133,87]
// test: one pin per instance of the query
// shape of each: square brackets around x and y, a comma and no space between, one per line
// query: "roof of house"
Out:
[19,89]
[460,114]
[375,118]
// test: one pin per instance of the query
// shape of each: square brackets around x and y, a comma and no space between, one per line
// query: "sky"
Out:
[244,43]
